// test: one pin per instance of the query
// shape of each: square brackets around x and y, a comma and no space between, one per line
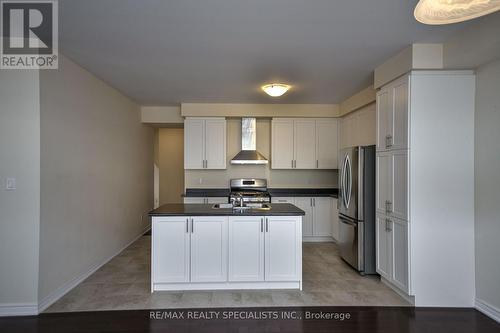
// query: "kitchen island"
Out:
[200,247]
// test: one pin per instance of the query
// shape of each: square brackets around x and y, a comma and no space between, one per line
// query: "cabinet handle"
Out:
[388,141]
[388,225]
[192,226]
[292,164]
[388,206]
[267,225]
[317,164]
[187,225]
[261,224]
[314,202]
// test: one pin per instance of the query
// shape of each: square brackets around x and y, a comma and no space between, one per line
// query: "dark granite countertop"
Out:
[304,192]
[275,192]
[278,209]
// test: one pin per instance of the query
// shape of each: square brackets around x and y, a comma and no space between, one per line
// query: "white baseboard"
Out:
[487,309]
[65,288]
[27,309]
[317,239]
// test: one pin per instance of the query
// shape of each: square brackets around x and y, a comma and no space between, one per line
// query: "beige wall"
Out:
[158,115]
[259,110]
[487,183]
[359,127]
[19,209]
[358,101]
[171,164]
[96,175]
[276,178]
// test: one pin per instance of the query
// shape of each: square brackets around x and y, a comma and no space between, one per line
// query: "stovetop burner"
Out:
[250,190]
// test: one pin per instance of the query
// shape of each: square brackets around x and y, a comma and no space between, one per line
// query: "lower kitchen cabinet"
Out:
[283,249]
[246,248]
[392,250]
[226,252]
[321,214]
[209,248]
[170,250]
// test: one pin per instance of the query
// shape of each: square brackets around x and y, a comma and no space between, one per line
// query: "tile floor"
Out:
[123,284]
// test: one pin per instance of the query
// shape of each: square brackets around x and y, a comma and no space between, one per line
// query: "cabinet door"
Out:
[398,192]
[384,118]
[305,144]
[194,143]
[322,224]
[282,144]
[283,248]
[246,248]
[305,203]
[327,144]
[335,219]
[214,200]
[290,200]
[383,181]
[399,239]
[215,144]
[170,249]
[400,114]
[383,243]
[209,249]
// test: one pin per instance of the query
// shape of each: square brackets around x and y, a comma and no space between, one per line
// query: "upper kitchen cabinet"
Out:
[205,143]
[392,115]
[304,143]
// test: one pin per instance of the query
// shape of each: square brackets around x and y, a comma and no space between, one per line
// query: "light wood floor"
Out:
[123,284]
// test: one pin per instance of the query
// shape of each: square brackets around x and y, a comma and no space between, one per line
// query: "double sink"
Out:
[251,206]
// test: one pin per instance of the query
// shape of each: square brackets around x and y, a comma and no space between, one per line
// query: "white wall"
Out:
[19,209]
[487,184]
[96,175]
[276,178]
[359,127]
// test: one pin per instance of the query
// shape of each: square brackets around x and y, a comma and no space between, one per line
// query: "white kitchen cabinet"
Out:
[282,151]
[290,200]
[283,249]
[392,251]
[425,170]
[246,248]
[305,203]
[209,248]
[327,143]
[205,200]
[320,216]
[392,115]
[205,143]
[170,250]
[304,143]
[335,219]
[383,241]
[392,183]
[322,225]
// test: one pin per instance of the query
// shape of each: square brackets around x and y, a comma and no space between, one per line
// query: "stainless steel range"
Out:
[249,190]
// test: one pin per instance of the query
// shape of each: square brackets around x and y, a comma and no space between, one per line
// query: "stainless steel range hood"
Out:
[249,153]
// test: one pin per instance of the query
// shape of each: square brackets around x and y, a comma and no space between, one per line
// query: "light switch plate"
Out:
[10,184]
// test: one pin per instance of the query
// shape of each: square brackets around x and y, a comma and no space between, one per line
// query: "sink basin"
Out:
[253,206]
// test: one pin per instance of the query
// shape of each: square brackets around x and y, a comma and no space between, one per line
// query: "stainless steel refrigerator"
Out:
[357,207]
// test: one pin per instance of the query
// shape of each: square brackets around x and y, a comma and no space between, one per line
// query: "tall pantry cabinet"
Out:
[425,185]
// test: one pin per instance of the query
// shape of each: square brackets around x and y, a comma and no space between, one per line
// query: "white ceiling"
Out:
[168,52]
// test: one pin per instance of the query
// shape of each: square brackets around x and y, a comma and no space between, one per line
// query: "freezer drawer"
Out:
[351,242]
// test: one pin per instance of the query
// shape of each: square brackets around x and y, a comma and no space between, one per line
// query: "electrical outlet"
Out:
[10,184]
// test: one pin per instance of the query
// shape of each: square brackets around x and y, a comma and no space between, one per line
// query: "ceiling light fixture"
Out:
[452,11]
[275,89]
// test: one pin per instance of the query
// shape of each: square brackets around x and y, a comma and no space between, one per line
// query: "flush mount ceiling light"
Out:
[275,89]
[453,11]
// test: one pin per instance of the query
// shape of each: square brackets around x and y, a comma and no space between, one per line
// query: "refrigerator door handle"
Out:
[348,190]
